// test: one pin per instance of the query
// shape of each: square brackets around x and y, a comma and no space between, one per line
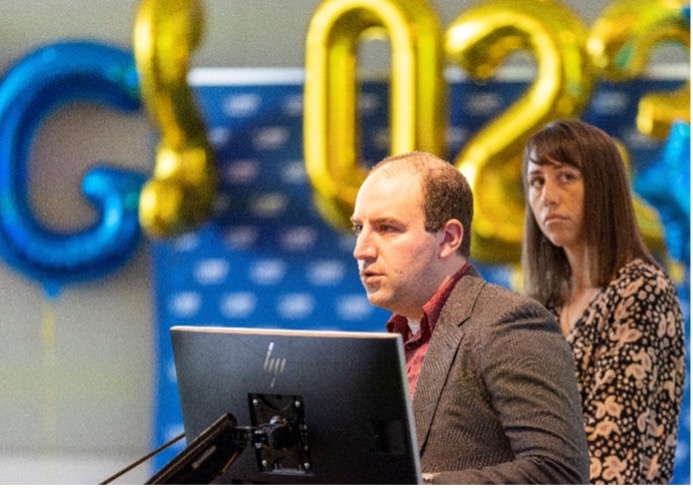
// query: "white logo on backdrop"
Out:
[323,273]
[353,307]
[294,172]
[243,105]
[185,304]
[295,305]
[268,205]
[368,103]
[267,271]
[241,237]
[270,138]
[484,103]
[298,238]
[211,271]
[187,242]
[293,106]
[611,102]
[242,171]
[238,305]
[219,136]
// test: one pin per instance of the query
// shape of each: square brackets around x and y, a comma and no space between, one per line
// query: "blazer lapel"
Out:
[447,335]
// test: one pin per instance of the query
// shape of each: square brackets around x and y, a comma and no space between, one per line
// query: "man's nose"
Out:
[363,249]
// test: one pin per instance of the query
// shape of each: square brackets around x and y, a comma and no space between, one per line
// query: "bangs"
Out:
[553,146]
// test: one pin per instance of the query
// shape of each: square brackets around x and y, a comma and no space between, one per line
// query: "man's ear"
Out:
[452,234]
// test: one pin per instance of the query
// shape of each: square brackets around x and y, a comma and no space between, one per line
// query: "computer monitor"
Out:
[311,407]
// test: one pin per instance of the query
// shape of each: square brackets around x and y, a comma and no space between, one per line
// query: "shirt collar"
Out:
[430,311]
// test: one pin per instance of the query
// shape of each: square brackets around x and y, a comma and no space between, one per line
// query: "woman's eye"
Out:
[569,176]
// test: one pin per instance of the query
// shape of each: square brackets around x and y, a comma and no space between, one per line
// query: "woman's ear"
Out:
[452,234]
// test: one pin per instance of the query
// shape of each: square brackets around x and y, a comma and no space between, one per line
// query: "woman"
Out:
[585,260]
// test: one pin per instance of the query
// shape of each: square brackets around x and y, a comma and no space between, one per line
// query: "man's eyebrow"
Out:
[386,220]
[380,220]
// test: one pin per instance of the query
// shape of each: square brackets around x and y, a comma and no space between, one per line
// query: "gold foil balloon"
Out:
[480,40]
[417,99]
[181,193]
[621,43]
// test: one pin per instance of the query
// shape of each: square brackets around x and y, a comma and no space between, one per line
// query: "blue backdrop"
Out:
[267,258]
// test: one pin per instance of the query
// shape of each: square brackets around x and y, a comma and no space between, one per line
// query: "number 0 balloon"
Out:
[417,100]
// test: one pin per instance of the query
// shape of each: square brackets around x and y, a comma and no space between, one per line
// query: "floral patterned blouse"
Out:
[629,354]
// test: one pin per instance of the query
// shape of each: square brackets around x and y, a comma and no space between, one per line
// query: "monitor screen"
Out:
[330,407]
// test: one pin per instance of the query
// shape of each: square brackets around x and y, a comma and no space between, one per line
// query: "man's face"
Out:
[397,257]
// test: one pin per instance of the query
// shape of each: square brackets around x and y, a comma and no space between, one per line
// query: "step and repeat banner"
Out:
[268,258]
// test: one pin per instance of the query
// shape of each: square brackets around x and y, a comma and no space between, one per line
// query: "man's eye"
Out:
[356,229]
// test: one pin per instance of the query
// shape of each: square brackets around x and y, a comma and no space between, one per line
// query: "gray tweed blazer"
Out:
[496,400]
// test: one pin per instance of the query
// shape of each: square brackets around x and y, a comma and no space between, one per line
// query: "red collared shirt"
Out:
[416,346]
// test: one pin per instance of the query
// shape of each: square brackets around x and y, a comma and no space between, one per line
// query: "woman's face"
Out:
[556,194]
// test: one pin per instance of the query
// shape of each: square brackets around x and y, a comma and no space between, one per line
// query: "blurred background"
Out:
[79,367]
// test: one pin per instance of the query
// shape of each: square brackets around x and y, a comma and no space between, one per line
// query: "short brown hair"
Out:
[612,236]
[446,192]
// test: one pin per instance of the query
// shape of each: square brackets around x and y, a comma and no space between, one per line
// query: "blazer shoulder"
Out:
[474,297]
[484,292]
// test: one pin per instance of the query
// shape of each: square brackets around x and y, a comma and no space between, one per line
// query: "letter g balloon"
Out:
[44,81]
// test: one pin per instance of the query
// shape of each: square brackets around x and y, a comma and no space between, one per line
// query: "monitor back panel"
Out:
[349,390]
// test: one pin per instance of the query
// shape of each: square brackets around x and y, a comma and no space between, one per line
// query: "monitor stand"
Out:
[279,437]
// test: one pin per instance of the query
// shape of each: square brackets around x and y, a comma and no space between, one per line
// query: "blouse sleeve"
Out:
[632,401]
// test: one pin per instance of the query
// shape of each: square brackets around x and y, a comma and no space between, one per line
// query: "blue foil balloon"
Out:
[39,84]
[666,184]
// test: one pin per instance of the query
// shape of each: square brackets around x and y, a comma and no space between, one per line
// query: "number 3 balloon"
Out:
[181,194]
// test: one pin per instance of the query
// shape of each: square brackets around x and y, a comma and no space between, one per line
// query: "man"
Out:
[492,379]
